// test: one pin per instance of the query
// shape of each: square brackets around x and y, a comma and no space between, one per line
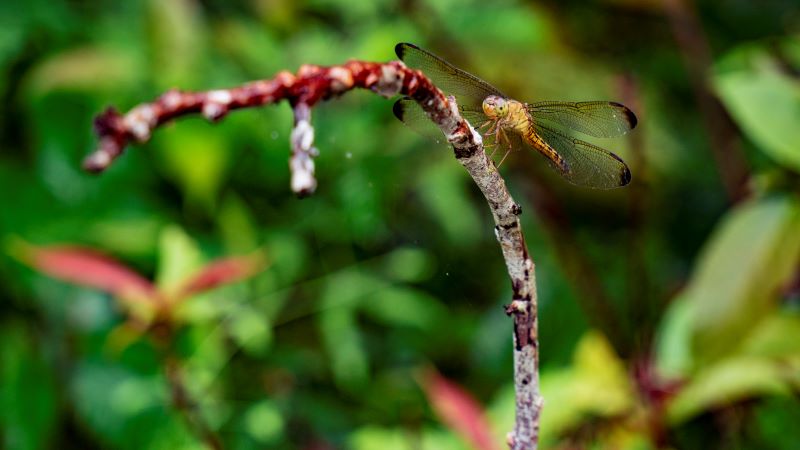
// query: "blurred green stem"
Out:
[182,399]
[696,52]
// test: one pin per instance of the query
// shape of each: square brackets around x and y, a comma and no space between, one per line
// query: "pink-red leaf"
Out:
[458,410]
[223,271]
[89,268]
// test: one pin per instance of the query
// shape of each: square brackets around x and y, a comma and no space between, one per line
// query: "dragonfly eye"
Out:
[494,106]
[502,107]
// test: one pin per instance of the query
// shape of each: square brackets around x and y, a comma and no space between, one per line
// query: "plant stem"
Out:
[186,406]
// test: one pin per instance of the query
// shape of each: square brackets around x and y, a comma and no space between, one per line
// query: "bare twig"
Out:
[468,149]
[303,91]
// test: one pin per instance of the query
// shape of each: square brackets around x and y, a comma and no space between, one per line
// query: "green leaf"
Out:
[597,384]
[250,329]
[443,188]
[752,253]
[373,437]
[726,382]
[78,69]
[179,258]
[176,38]
[435,439]
[210,354]
[368,438]
[125,410]
[409,265]
[484,22]
[343,343]
[252,45]
[359,193]
[129,236]
[777,336]
[264,422]
[237,226]
[196,158]
[674,339]
[401,306]
[292,253]
[765,102]
[339,328]
[776,421]
[27,392]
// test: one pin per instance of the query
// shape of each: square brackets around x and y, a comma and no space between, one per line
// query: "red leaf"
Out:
[458,410]
[223,271]
[87,267]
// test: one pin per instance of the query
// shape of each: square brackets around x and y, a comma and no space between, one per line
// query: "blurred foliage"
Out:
[392,266]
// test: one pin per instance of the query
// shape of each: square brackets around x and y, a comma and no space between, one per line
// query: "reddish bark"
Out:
[309,86]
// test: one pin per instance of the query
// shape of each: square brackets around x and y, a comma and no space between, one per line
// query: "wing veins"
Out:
[597,118]
[589,165]
[468,88]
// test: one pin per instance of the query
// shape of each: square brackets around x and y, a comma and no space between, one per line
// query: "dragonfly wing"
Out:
[411,114]
[474,116]
[599,119]
[589,165]
[468,89]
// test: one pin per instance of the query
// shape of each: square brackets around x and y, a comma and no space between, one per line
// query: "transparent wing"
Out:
[473,115]
[411,114]
[468,89]
[599,119]
[589,165]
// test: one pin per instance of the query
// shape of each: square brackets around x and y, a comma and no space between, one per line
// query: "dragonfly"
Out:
[546,126]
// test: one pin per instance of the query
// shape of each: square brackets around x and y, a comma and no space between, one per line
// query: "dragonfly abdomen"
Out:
[534,140]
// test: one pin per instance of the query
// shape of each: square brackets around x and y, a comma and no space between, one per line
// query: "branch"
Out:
[313,84]
[524,307]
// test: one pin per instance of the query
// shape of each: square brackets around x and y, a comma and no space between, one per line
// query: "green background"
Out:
[669,310]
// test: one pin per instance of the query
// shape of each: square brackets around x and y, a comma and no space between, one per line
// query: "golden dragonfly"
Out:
[546,126]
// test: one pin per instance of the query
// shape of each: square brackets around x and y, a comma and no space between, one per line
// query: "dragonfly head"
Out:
[495,107]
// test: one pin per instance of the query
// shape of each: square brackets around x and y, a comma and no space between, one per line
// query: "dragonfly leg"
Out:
[502,137]
[493,128]
[491,131]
